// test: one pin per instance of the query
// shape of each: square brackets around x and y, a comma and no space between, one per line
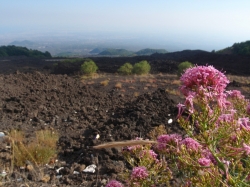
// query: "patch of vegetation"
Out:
[89,67]
[117,52]
[124,52]
[242,48]
[38,150]
[126,69]
[149,51]
[183,66]
[141,68]
[12,50]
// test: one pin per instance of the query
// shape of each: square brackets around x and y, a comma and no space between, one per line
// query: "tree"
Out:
[89,67]
[126,69]
[183,66]
[142,67]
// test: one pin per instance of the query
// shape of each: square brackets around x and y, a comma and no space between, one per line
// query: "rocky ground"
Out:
[85,112]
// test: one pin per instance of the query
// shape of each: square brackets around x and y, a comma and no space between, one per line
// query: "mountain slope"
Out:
[149,51]
[12,50]
[242,48]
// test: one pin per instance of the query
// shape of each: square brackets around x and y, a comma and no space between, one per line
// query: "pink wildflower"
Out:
[222,101]
[204,161]
[114,183]
[244,123]
[134,147]
[236,94]
[190,103]
[167,140]
[149,153]
[139,173]
[227,118]
[207,154]
[246,149]
[206,77]
[248,108]
[191,144]
[180,109]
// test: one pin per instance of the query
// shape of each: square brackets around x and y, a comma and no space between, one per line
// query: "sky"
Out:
[204,24]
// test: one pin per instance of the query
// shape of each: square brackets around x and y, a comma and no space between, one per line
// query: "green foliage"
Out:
[141,68]
[126,69]
[242,48]
[150,51]
[117,52]
[183,66]
[89,67]
[22,51]
[124,52]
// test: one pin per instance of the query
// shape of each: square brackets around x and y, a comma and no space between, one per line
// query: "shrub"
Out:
[141,68]
[183,66]
[89,67]
[126,69]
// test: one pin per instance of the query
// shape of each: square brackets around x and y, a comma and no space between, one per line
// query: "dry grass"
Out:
[245,89]
[176,82]
[174,92]
[241,79]
[131,87]
[136,94]
[151,81]
[157,131]
[38,150]
[118,85]
[124,143]
[104,83]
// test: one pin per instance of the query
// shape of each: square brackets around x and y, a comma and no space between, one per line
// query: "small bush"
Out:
[89,67]
[126,69]
[141,68]
[183,66]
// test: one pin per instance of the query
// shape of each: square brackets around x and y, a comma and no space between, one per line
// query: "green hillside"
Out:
[149,51]
[12,50]
[242,48]
[117,52]
[124,52]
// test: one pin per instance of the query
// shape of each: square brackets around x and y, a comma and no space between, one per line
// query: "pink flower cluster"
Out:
[244,123]
[149,153]
[114,183]
[204,161]
[203,78]
[166,140]
[139,173]
[208,155]
[236,94]
[190,144]
[248,109]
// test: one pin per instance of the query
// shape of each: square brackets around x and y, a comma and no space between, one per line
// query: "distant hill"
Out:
[150,51]
[242,48]
[124,52]
[12,50]
[22,43]
[116,52]
[96,51]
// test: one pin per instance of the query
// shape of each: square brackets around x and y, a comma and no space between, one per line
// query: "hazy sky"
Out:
[204,24]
